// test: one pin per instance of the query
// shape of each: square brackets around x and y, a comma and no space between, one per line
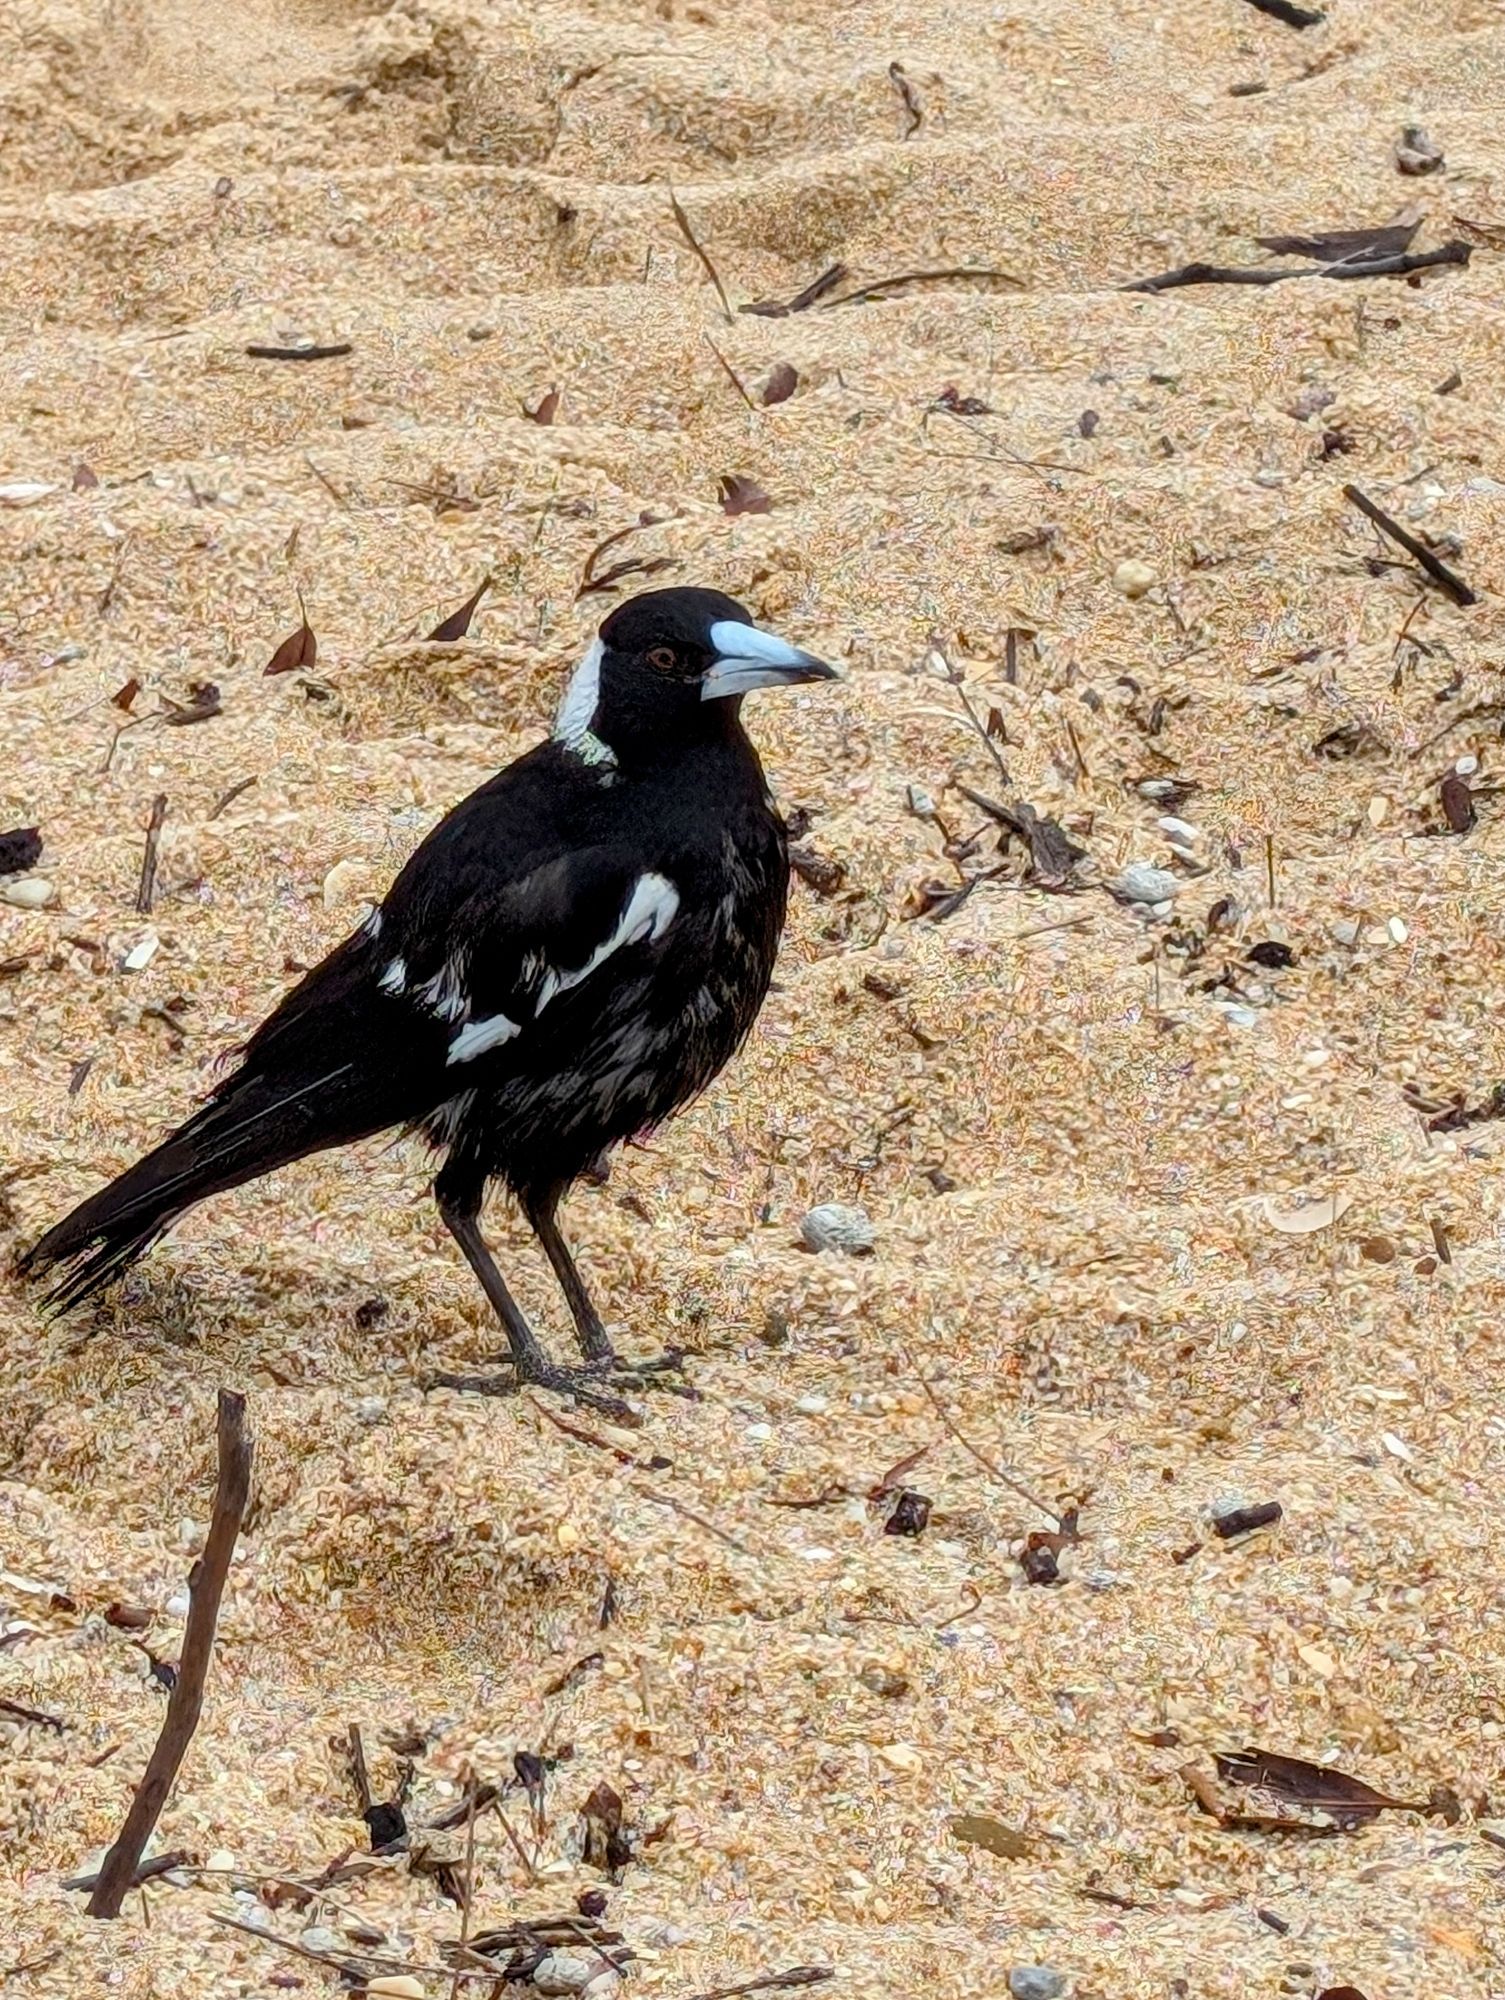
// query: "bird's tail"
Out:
[253,1125]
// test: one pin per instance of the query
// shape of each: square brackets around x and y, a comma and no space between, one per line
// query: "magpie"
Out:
[571,955]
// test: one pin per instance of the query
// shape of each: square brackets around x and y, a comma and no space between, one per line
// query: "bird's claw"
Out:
[589,1386]
[647,1376]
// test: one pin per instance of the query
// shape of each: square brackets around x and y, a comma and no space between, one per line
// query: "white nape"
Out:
[572,724]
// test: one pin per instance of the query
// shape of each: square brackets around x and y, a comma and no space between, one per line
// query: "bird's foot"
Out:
[591,1386]
[646,1376]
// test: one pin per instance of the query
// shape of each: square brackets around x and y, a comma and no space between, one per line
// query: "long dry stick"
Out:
[206,1586]
[994,1471]
[707,266]
[147,888]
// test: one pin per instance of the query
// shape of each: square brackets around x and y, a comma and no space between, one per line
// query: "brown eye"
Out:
[663,658]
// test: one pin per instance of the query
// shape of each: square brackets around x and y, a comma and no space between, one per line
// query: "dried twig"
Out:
[1454,252]
[147,888]
[312,352]
[1441,575]
[911,102]
[731,374]
[229,797]
[802,301]
[589,580]
[770,1982]
[206,1584]
[1292,16]
[881,287]
[24,1714]
[710,269]
[144,1871]
[700,1520]
[993,1471]
[359,1776]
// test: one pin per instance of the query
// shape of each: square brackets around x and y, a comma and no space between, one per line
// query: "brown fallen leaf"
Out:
[84,477]
[1053,854]
[606,1847]
[982,1830]
[203,703]
[298,649]
[1340,246]
[124,696]
[740,495]
[458,622]
[1205,1792]
[1319,1788]
[783,380]
[896,1475]
[546,409]
[1458,802]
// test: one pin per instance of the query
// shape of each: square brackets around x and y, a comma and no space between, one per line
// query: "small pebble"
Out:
[1396,926]
[28,892]
[1377,1250]
[24,492]
[371,1409]
[1140,882]
[221,1862]
[921,804]
[1416,152]
[835,1226]
[1133,579]
[1179,829]
[1036,1982]
[396,1986]
[321,1938]
[813,1406]
[1466,766]
[1156,788]
[177,1605]
[568,1971]
[1345,931]
[1269,476]
[878,1679]
[760,1433]
[1230,1520]
[140,956]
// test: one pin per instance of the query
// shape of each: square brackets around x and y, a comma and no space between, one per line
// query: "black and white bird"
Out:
[572,954]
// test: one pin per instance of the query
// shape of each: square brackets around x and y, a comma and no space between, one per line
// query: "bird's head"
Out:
[670,667]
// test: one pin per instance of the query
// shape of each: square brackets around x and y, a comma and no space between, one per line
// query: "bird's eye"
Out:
[663,658]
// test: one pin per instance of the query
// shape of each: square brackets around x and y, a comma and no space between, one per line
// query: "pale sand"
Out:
[475,199]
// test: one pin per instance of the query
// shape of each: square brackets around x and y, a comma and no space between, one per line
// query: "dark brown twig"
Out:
[360,1777]
[802,301]
[1292,16]
[331,352]
[24,1714]
[589,580]
[911,102]
[709,268]
[690,1514]
[731,374]
[771,1982]
[1455,252]
[147,888]
[1441,575]
[206,1585]
[993,1471]
[881,287]
[144,1871]
[228,798]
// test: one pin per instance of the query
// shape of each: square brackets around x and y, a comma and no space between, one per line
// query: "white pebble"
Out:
[569,1971]
[1179,829]
[371,1409]
[318,1937]
[1142,883]
[24,492]
[813,1406]
[1133,579]
[221,1862]
[760,1433]
[1345,931]
[1466,766]
[1269,476]
[28,892]
[836,1226]
[396,1986]
[921,804]
[1239,1017]
[140,956]
[1397,929]
[177,1605]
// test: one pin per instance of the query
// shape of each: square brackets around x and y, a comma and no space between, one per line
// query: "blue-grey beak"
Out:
[747,658]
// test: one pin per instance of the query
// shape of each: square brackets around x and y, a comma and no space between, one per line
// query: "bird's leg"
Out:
[530,1363]
[595,1344]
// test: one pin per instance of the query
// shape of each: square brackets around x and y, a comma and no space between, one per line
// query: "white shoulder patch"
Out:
[444,994]
[572,724]
[651,908]
[395,978]
[480,1036]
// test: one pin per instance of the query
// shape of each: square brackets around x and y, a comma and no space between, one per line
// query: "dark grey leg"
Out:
[530,1363]
[589,1331]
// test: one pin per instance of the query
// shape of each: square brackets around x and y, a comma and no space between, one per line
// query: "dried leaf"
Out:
[546,409]
[897,1474]
[783,380]
[740,495]
[203,702]
[458,622]
[123,697]
[1339,246]
[982,1830]
[952,399]
[84,477]
[1315,1787]
[128,1617]
[299,649]
[606,1847]
[1302,1218]
[20,849]
[1458,802]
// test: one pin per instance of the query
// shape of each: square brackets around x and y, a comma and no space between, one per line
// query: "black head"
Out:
[671,666]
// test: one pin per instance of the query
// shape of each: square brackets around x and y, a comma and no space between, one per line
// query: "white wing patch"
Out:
[443,994]
[651,908]
[572,724]
[395,978]
[479,1036]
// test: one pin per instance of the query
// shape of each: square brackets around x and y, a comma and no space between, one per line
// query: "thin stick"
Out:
[731,374]
[700,1520]
[1270,866]
[1292,16]
[881,287]
[993,1471]
[206,1585]
[145,1871]
[770,1982]
[517,1847]
[228,798]
[1439,572]
[1400,266]
[24,1714]
[710,269]
[359,1775]
[470,1878]
[147,888]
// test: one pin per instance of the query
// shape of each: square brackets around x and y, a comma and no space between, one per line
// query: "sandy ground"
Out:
[1077,1128]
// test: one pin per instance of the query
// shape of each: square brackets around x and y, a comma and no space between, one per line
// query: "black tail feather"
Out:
[253,1126]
